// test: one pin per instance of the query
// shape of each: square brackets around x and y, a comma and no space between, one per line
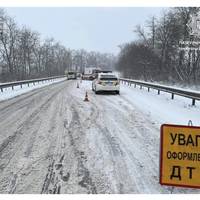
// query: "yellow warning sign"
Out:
[180,156]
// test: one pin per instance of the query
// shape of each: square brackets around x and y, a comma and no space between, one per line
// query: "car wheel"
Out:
[117,92]
[96,92]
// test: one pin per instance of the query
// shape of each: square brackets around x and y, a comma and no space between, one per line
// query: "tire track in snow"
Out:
[123,145]
[75,133]
[26,131]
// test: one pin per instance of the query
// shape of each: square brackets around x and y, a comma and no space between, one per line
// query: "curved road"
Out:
[51,141]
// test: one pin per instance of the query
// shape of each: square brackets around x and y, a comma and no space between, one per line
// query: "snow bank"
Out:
[161,108]
[9,93]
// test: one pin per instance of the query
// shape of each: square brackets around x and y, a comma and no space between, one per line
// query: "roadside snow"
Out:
[9,93]
[191,88]
[188,89]
[161,108]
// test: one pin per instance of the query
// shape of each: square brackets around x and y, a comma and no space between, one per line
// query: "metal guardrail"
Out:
[28,82]
[173,91]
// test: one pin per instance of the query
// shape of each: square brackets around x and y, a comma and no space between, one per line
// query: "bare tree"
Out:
[24,55]
[8,45]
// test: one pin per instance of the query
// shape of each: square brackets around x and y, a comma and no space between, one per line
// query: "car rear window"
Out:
[108,77]
[70,73]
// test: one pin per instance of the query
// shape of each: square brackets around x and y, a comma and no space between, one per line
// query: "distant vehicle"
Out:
[88,70]
[106,82]
[95,73]
[87,74]
[91,73]
[71,75]
[78,74]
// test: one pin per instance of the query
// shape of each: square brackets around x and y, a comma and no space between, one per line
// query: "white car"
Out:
[106,82]
[71,75]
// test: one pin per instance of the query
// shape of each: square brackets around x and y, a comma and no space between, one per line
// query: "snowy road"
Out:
[51,141]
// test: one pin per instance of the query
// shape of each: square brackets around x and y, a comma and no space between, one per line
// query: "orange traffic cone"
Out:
[86,97]
[77,85]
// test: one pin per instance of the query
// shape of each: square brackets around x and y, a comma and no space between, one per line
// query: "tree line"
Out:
[157,55]
[24,55]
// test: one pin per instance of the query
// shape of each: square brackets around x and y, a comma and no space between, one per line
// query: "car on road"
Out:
[90,73]
[106,82]
[71,75]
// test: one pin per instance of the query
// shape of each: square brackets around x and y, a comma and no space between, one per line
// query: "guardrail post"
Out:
[193,102]
[170,90]
[29,82]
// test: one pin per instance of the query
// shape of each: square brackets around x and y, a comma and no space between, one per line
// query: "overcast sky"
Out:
[98,29]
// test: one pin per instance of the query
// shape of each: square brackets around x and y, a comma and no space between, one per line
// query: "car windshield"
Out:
[108,77]
[70,73]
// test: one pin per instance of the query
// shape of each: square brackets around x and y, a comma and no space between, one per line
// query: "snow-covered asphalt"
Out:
[51,141]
